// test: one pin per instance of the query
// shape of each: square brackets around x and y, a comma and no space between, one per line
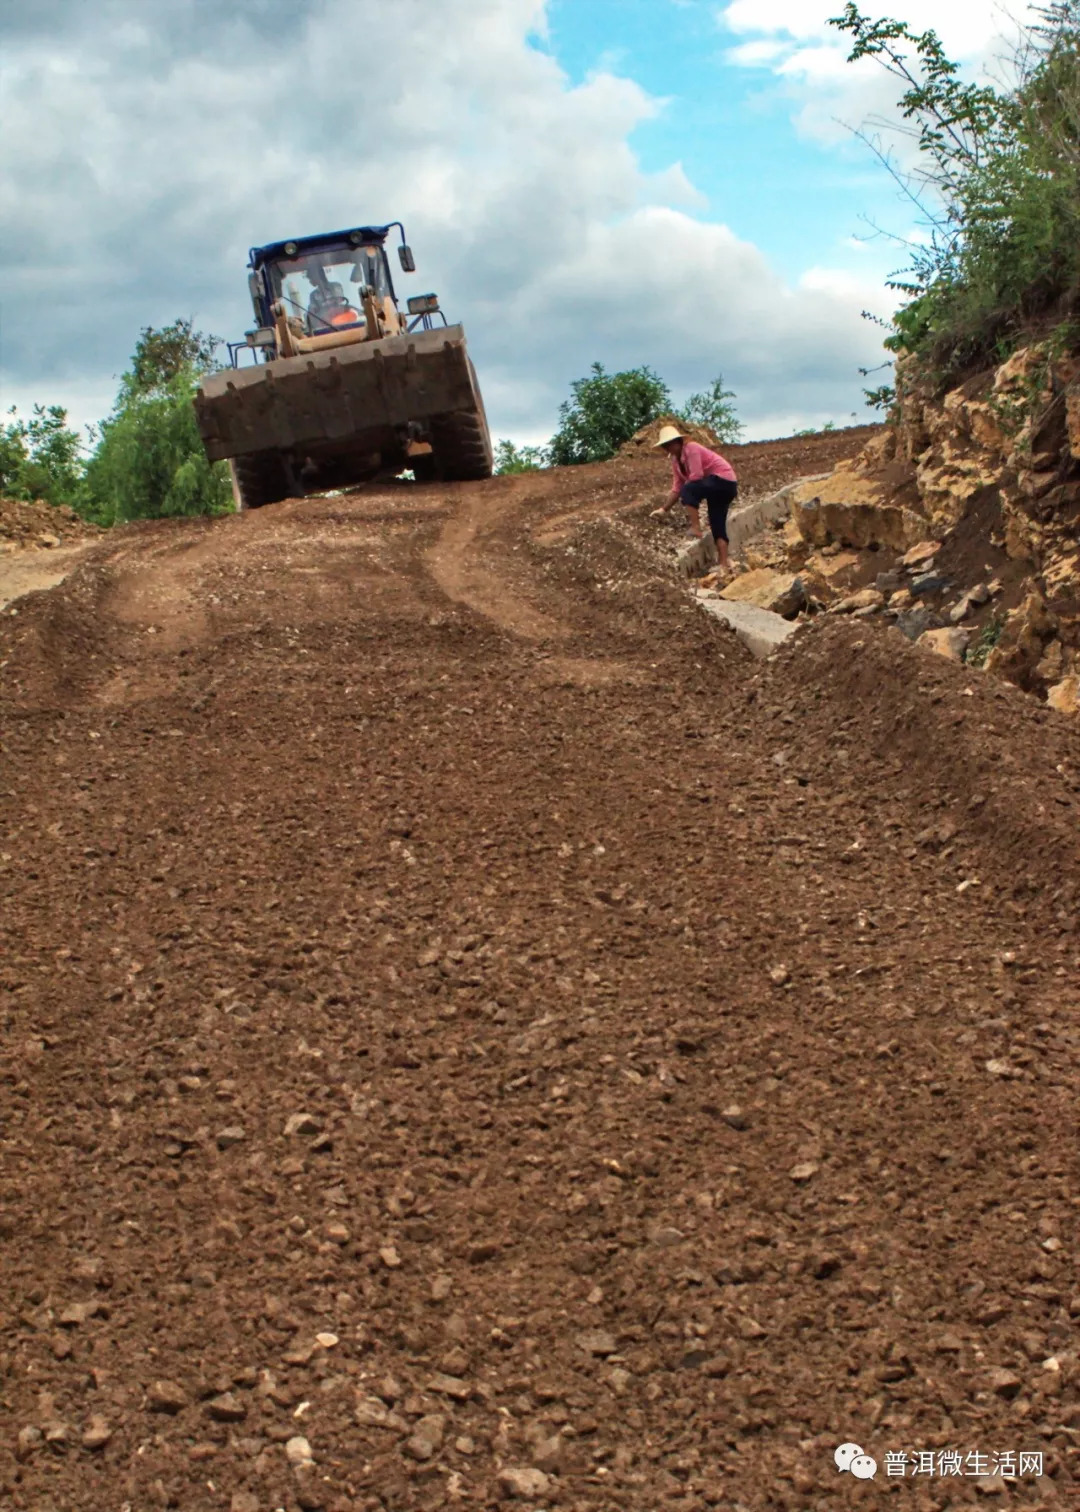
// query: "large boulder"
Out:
[851,510]
[783,593]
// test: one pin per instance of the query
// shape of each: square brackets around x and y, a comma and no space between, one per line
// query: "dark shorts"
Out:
[719,494]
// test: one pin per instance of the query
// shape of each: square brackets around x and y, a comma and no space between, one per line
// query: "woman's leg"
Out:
[721,496]
[692,495]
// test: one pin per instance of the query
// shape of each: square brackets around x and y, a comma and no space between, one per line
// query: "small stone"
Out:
[868,599]
[1000,1068]
[465,1445]
[338,1233]
[451,1386]
[734,1116]
[298,1452]
[76,1314]
[920,553]
[97,1433]
[804,1171]
[441,1288]
[619,1379]
[61,1347]
[371,1412]
[455,1362]
[226,1138]
[426,1438]
[244,1501]
[915,622]
[991,1485]
[390,1257]
[596,1341]
[326,1340]
[523,1484]
[29,1441]
[302,1123]
[485,1250]
[951,642]
[166,1396]
[310,1494]
[960,610]
[929,583]
[1004,1383]
[667,1238]
[980,594]
[778,975]
[750,1328]
[226,1408]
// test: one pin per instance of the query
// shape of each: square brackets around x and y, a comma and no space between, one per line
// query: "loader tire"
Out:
[259,479]
[461,441]
[462,447]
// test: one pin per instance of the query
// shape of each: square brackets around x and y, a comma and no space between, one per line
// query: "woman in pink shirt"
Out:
[700,476]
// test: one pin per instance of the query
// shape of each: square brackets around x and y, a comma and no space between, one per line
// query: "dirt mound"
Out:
[41,524]
[466,1031]
[645,438]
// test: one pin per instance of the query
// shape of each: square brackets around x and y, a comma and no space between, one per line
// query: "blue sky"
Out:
[733,129]
[622,181]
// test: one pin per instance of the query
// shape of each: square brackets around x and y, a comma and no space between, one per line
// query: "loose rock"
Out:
[523,1484]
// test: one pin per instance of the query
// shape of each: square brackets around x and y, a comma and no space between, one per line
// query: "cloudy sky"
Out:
[627,181]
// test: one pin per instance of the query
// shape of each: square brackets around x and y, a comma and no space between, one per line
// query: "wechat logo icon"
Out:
[850,1460]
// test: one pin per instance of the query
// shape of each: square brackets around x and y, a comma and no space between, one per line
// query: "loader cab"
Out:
[324,290]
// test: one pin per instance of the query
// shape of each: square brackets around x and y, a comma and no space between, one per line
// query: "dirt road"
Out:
[469,1033]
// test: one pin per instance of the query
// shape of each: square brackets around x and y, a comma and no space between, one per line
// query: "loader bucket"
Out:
[350,396]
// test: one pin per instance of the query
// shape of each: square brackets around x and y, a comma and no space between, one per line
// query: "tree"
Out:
[150,460]
[605,410]
[715,409]
[161,356]
[41,458]
[518,459]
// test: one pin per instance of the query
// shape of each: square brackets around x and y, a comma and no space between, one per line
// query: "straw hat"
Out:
[668,433]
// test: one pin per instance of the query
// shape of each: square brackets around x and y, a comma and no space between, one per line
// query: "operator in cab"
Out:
[700,476]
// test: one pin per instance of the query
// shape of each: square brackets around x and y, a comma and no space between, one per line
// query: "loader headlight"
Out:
[423,304]
[290,249]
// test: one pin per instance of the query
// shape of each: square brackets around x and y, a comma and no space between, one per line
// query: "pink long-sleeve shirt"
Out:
[697,462]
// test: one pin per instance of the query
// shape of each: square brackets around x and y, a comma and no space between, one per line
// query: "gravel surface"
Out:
[469,1036]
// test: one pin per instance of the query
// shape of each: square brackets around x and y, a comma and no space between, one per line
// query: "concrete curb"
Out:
[751,519]
[760,630]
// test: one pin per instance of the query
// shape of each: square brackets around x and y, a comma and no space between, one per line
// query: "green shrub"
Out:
[715,409]
[518,459]
[150,461]
[41,458]
[605,410]
[998,182]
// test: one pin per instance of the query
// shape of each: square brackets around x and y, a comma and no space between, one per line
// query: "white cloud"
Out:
[146,149]
[793,40]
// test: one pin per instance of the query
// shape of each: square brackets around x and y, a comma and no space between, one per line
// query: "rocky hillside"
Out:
[959,522]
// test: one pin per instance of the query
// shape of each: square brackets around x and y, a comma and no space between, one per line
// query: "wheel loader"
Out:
[334,385]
